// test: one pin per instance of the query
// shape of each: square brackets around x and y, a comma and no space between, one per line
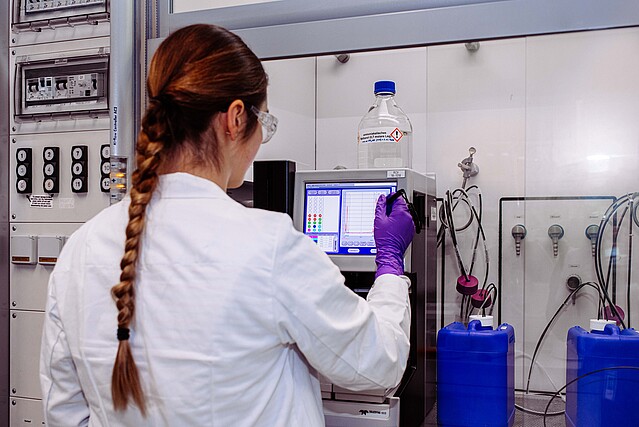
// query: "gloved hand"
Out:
[393,234]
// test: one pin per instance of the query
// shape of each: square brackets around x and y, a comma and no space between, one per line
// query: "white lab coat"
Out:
[236,312]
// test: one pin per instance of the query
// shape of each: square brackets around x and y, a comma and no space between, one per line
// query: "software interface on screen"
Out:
[339,216]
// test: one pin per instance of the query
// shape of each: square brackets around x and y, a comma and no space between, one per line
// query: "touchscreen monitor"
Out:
[339,216]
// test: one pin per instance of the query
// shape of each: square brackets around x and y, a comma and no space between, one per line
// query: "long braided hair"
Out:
[196,73]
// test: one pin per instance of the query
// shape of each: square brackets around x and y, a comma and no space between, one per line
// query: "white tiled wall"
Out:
[549,116]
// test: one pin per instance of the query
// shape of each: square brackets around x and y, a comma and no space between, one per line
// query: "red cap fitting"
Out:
[477,300]
[609,314]
[467,287]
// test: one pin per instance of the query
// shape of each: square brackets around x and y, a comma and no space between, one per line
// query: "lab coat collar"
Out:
[181,185]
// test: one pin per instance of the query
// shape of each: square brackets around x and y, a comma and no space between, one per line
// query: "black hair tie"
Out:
[123,334]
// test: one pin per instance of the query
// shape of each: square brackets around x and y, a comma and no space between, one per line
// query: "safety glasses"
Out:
[268,122]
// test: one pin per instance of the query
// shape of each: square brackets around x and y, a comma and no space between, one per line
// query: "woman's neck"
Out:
[198,168]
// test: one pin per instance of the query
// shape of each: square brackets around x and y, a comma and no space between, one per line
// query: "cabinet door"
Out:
[25,412]
[24,363]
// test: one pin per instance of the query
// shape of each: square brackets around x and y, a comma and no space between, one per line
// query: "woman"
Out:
[223,315]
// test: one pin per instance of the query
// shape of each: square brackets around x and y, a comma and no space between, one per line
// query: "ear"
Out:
[235,120]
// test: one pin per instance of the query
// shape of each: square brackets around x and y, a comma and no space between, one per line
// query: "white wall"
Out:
[291,98]
[477,99]
[582,103]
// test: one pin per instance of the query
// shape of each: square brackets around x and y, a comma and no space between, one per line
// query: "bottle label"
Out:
[380,134]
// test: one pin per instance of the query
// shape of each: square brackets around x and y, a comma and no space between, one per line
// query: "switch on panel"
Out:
[51,169]
[105,168]
[71,85]
[24,249]
[24,174]
[49,248]
[79,173]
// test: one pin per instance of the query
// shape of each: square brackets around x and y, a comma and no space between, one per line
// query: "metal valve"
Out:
[572,283]
[519,233]
[555,232]
[592,231]
[468,167]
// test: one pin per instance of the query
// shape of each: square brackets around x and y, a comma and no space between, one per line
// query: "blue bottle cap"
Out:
[385,86]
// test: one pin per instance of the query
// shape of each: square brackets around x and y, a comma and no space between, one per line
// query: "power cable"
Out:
[452,199]
[630,260]
[611,212]
[543,334]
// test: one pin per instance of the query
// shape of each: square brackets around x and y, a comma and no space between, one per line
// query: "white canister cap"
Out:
[600,324]
[485,320]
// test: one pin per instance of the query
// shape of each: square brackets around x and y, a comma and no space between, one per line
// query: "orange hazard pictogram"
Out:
[397,134]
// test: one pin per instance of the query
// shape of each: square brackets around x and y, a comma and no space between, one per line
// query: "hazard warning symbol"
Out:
[385,134]
[397,134]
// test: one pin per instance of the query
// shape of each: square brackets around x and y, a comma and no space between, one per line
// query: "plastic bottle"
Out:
[384,137]
[476,374]
[604,358]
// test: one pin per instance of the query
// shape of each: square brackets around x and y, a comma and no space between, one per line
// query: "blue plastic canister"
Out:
[475,375]
[608,398]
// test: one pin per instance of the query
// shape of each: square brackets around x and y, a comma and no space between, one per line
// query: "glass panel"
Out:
[541,134]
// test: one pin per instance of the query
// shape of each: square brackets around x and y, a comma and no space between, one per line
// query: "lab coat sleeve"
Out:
[357,344]
[63,400]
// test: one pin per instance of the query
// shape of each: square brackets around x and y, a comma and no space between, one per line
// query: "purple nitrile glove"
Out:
[393,234]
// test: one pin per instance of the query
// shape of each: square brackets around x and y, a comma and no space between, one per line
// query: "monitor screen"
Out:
[339,216]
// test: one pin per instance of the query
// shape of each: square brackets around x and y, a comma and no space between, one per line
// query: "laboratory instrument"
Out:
[337,209]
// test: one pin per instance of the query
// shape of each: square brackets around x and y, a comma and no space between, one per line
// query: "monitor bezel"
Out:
[405,178]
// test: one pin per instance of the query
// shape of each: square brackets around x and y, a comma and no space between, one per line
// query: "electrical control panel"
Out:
[36,10]
[55,86]
[46,21]
[59,177]
[42,243]
[60,87]
[34,249]
[58,163]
